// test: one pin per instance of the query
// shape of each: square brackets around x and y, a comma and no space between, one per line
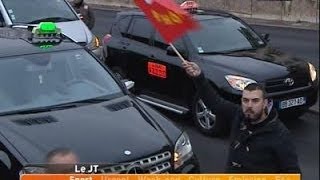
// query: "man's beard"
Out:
[253,117]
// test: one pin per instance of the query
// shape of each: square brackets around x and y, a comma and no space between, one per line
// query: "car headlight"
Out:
[313,72]
[94,44]
[182,150]
[238,82]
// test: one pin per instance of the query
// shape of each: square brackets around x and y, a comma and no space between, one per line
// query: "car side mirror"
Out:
[171,52]
[129,84]
[266,37]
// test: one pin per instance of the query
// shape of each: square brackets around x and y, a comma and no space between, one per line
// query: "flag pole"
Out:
[177,52]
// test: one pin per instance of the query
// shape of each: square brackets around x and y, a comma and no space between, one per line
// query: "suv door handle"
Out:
[124,43]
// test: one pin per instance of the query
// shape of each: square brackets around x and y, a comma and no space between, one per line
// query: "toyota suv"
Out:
[231,55]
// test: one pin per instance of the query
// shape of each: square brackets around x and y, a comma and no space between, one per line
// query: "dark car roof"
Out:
[201,15]
[13,43]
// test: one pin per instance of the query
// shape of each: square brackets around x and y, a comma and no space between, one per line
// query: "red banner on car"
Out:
[168,18]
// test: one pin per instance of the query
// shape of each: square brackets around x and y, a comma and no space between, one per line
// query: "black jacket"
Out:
[262,148]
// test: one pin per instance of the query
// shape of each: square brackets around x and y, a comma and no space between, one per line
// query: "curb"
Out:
[117,7]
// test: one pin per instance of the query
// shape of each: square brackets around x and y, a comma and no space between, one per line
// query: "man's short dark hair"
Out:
[256,86]
[56,167]
[58,151]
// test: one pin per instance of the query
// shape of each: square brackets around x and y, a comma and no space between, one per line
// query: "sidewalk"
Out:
[251,21]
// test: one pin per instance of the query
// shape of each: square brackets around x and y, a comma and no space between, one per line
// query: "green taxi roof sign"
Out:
[46,28]
[47,34]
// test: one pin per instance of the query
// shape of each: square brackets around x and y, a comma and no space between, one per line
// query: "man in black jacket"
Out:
[260,141]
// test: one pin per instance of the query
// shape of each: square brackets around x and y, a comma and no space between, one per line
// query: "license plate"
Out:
[292,102]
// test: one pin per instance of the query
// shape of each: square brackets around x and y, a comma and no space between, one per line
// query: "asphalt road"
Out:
[212,152]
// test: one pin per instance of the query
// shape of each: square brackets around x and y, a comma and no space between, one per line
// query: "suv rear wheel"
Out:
[206,120]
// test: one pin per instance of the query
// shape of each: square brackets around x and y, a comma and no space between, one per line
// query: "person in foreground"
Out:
[61,161]
[260,142]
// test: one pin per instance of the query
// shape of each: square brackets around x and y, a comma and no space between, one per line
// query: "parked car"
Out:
[231,55]
[59,94]
[15,14]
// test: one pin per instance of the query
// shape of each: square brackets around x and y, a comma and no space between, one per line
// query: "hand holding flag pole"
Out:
[169,19]
[177,52]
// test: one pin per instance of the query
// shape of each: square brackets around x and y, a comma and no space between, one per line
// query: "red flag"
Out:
[167,17]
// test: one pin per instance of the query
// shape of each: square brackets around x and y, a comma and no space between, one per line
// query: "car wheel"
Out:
[206,120]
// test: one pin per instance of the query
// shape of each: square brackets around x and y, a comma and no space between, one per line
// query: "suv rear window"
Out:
[123,24]
[140,30]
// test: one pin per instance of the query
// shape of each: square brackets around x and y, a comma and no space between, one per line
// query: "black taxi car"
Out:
[230,53]
[56,94]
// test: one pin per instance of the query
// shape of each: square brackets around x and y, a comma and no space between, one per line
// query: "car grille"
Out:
[277,85]
[159,163]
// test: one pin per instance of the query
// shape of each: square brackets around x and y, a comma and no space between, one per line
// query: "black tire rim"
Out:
[205,117]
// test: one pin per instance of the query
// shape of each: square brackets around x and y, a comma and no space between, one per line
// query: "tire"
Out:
[207,122]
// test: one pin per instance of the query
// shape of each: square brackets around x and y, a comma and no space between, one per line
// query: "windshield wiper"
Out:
[241,50]
[229,51]
[56,107]
[38,110]
[213,53]
[53,19]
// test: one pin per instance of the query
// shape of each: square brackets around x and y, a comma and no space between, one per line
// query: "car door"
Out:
[115,46]
[139,34]
[173,84]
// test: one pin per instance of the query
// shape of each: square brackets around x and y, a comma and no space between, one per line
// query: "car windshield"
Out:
[41,80]
[29,11]
[224,34]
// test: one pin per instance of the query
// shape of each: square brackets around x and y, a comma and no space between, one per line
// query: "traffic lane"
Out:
[298,42]
[212,152]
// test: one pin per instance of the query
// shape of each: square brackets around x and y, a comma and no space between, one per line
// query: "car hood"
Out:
[96,133]
[262,64]
[76,30]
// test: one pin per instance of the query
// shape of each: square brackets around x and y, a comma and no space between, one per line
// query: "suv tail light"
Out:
[107,38]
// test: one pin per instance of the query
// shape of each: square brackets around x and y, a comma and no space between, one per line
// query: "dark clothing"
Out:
[86,13]
[265,147]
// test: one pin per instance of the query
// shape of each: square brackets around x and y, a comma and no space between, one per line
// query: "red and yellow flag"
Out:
[168,18]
